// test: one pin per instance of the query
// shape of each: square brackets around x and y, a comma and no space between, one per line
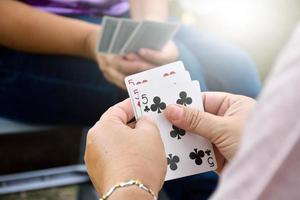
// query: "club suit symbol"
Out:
[197,156]
[172,161]
[157,105]
[208,152]
[177,132]
[184,99]
[146,109]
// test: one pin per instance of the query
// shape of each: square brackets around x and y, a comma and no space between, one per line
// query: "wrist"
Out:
[132,172]
[90,41]
[131,192]
[147,181]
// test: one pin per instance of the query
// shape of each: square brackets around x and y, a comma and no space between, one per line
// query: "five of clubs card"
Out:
[150,93]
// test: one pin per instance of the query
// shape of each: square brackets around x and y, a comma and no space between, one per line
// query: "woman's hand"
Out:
[221,123]
[113,67]
[168,54]
[150,57]
[117,151]
[116,68]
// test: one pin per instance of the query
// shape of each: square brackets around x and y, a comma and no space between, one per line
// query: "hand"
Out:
[221,123]
[114,68]
[168,54]
[116,151]
[133,63]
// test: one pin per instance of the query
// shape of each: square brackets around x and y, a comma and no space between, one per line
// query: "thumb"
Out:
[194,121]
[150,55]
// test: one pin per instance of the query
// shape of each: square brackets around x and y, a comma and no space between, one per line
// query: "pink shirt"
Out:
[267,165]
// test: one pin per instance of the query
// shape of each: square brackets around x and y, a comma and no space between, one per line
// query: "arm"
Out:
[135,151]
[125,154]
[28,29]
[149,9]
[117,68]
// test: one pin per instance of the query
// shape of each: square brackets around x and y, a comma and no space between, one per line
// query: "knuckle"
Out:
[89,142]
[86,157]
[91,135]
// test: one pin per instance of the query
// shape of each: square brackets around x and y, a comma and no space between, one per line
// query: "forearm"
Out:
[31,30]
[149,9]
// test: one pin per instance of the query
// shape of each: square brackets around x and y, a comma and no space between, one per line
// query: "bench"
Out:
[51,177]
[44,178]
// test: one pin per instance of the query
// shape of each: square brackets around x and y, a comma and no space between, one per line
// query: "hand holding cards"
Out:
[150,92]
[122,36]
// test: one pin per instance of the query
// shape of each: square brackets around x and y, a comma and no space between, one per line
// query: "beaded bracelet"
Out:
[127,184]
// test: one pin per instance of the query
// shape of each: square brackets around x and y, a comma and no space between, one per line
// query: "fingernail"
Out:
[174,112]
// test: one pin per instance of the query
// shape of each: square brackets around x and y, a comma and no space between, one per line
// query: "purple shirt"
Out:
[82,7]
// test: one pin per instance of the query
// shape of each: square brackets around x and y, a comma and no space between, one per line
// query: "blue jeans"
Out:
[56,89]
[218,65]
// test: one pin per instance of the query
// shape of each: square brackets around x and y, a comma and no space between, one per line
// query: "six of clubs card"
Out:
[150,92]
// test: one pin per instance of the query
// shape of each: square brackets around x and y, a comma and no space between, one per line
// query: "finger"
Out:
[110,79]
[115,77]
[194,121]
[147,125]
[220,160]
[114,62]
[130,67]
[113,81]
[217,102]
[151,56]
[121,112]
[103,64]
[133,57]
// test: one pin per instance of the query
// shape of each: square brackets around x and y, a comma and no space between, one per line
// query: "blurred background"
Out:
[261,27]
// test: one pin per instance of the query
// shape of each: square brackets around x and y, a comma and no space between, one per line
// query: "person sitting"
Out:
[51,74]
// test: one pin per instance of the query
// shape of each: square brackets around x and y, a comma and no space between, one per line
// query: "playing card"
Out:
[151,35]
[187,153]
[108,28]
[123,31]
[134,80]
[166,81]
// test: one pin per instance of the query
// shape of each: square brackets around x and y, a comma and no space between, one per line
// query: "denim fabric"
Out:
[218,65]
[53,89]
